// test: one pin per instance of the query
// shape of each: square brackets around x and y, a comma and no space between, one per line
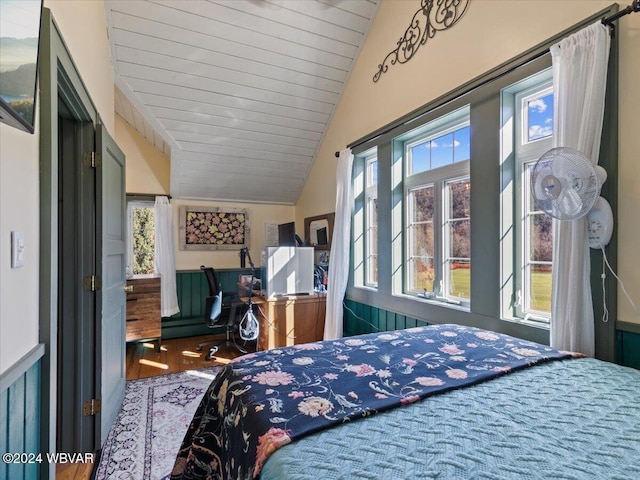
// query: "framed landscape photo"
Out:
[19,41]
[213,228]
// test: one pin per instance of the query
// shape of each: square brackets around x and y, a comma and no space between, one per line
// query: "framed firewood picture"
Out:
[213,228]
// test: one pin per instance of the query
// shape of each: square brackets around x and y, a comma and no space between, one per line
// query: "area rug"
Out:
[155,414]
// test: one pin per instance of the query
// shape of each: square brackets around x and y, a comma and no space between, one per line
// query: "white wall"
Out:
[490,33]
[83,26]
[19,197]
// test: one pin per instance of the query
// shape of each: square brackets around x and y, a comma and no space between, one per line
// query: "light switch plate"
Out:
[17,249]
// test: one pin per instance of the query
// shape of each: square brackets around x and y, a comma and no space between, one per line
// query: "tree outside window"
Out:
[141,217]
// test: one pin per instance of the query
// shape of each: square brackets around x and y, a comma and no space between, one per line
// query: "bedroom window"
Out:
[371,222]
[437,232]
[141,238]
[533,115]
[365,219]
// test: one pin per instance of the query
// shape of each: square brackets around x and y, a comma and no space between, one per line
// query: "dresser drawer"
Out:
[142,328]
[143,305]
[143,308]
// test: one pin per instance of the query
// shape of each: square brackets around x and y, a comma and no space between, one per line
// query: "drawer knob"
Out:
[128,288]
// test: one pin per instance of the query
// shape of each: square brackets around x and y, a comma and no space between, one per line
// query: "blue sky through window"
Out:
[445,150]
[540,117]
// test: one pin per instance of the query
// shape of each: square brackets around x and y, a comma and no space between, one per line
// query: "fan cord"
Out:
[605,264]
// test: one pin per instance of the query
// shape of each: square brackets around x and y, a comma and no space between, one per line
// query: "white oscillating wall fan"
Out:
[566,186]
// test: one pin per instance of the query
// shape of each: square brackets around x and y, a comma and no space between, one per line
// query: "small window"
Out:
[141,238]
[458,238]
[371,222]
[421,249]
[538,115]
[429,154]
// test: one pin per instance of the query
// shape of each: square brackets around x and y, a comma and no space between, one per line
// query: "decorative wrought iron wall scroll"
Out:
[433,16]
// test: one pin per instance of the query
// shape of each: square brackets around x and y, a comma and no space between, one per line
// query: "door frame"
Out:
[58,77]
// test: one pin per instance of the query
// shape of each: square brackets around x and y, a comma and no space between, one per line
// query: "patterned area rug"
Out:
[155,414]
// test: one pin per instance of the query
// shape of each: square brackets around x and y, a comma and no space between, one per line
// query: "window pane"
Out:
[372,241]
[460,199]
[143,240]
[540,117]
[460,279]
[462,144]
[442,151]
[420,158]
[422,240]
[540,288]
[460,235]
[421,274]
[458,254]
[372,174]
[422,204]
[541,238]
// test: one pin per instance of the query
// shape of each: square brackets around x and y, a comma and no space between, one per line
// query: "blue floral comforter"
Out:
[265,400]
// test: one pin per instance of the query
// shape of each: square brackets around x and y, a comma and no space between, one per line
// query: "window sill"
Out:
[453,304]
[367,288]
[144,275]
[528,323]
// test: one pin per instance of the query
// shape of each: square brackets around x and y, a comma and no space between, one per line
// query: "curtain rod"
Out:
[608,21]
[507,67]
[148,195]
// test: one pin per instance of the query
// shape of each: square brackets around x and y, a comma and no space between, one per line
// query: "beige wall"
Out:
[84,28]
[87,41]
[148,172]
[147,169]
[492,32]
[259,215]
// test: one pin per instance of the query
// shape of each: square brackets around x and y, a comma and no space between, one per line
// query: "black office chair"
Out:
[220,310]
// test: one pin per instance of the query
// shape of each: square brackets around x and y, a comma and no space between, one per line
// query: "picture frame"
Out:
[213,228]
[19,59]
[318,230]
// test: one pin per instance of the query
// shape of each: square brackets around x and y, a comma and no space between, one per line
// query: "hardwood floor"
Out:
[143,360]
[176,355]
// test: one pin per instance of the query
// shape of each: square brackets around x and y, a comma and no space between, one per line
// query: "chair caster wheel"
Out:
[212,352]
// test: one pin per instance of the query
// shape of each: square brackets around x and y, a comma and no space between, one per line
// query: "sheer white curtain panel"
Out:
[579,83]
[340,247]
[165,256]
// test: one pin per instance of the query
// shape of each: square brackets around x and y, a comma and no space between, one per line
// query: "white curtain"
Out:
[340,247]
[579,83]
[165,256]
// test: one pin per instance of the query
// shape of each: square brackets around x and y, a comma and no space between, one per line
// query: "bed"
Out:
[445,401]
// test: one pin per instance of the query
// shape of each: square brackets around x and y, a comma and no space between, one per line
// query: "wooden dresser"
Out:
[143,308]
[290,320]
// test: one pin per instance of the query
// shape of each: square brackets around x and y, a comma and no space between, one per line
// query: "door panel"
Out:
[112,235]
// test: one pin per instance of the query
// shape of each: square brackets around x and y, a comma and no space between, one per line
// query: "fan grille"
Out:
[564,183]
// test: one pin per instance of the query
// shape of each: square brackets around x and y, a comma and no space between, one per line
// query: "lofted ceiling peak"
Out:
[240,91]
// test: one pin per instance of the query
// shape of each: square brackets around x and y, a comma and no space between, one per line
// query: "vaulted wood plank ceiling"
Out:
[239,93]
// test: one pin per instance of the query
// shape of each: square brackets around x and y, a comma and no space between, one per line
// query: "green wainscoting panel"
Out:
[628,348]
[359,318]
[20,424]
[192,289]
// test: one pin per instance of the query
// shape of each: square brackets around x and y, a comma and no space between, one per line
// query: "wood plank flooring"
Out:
[143,360]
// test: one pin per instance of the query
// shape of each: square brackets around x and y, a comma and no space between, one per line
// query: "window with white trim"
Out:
[533,253]
[437,188]
[140,238]
[371,221]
